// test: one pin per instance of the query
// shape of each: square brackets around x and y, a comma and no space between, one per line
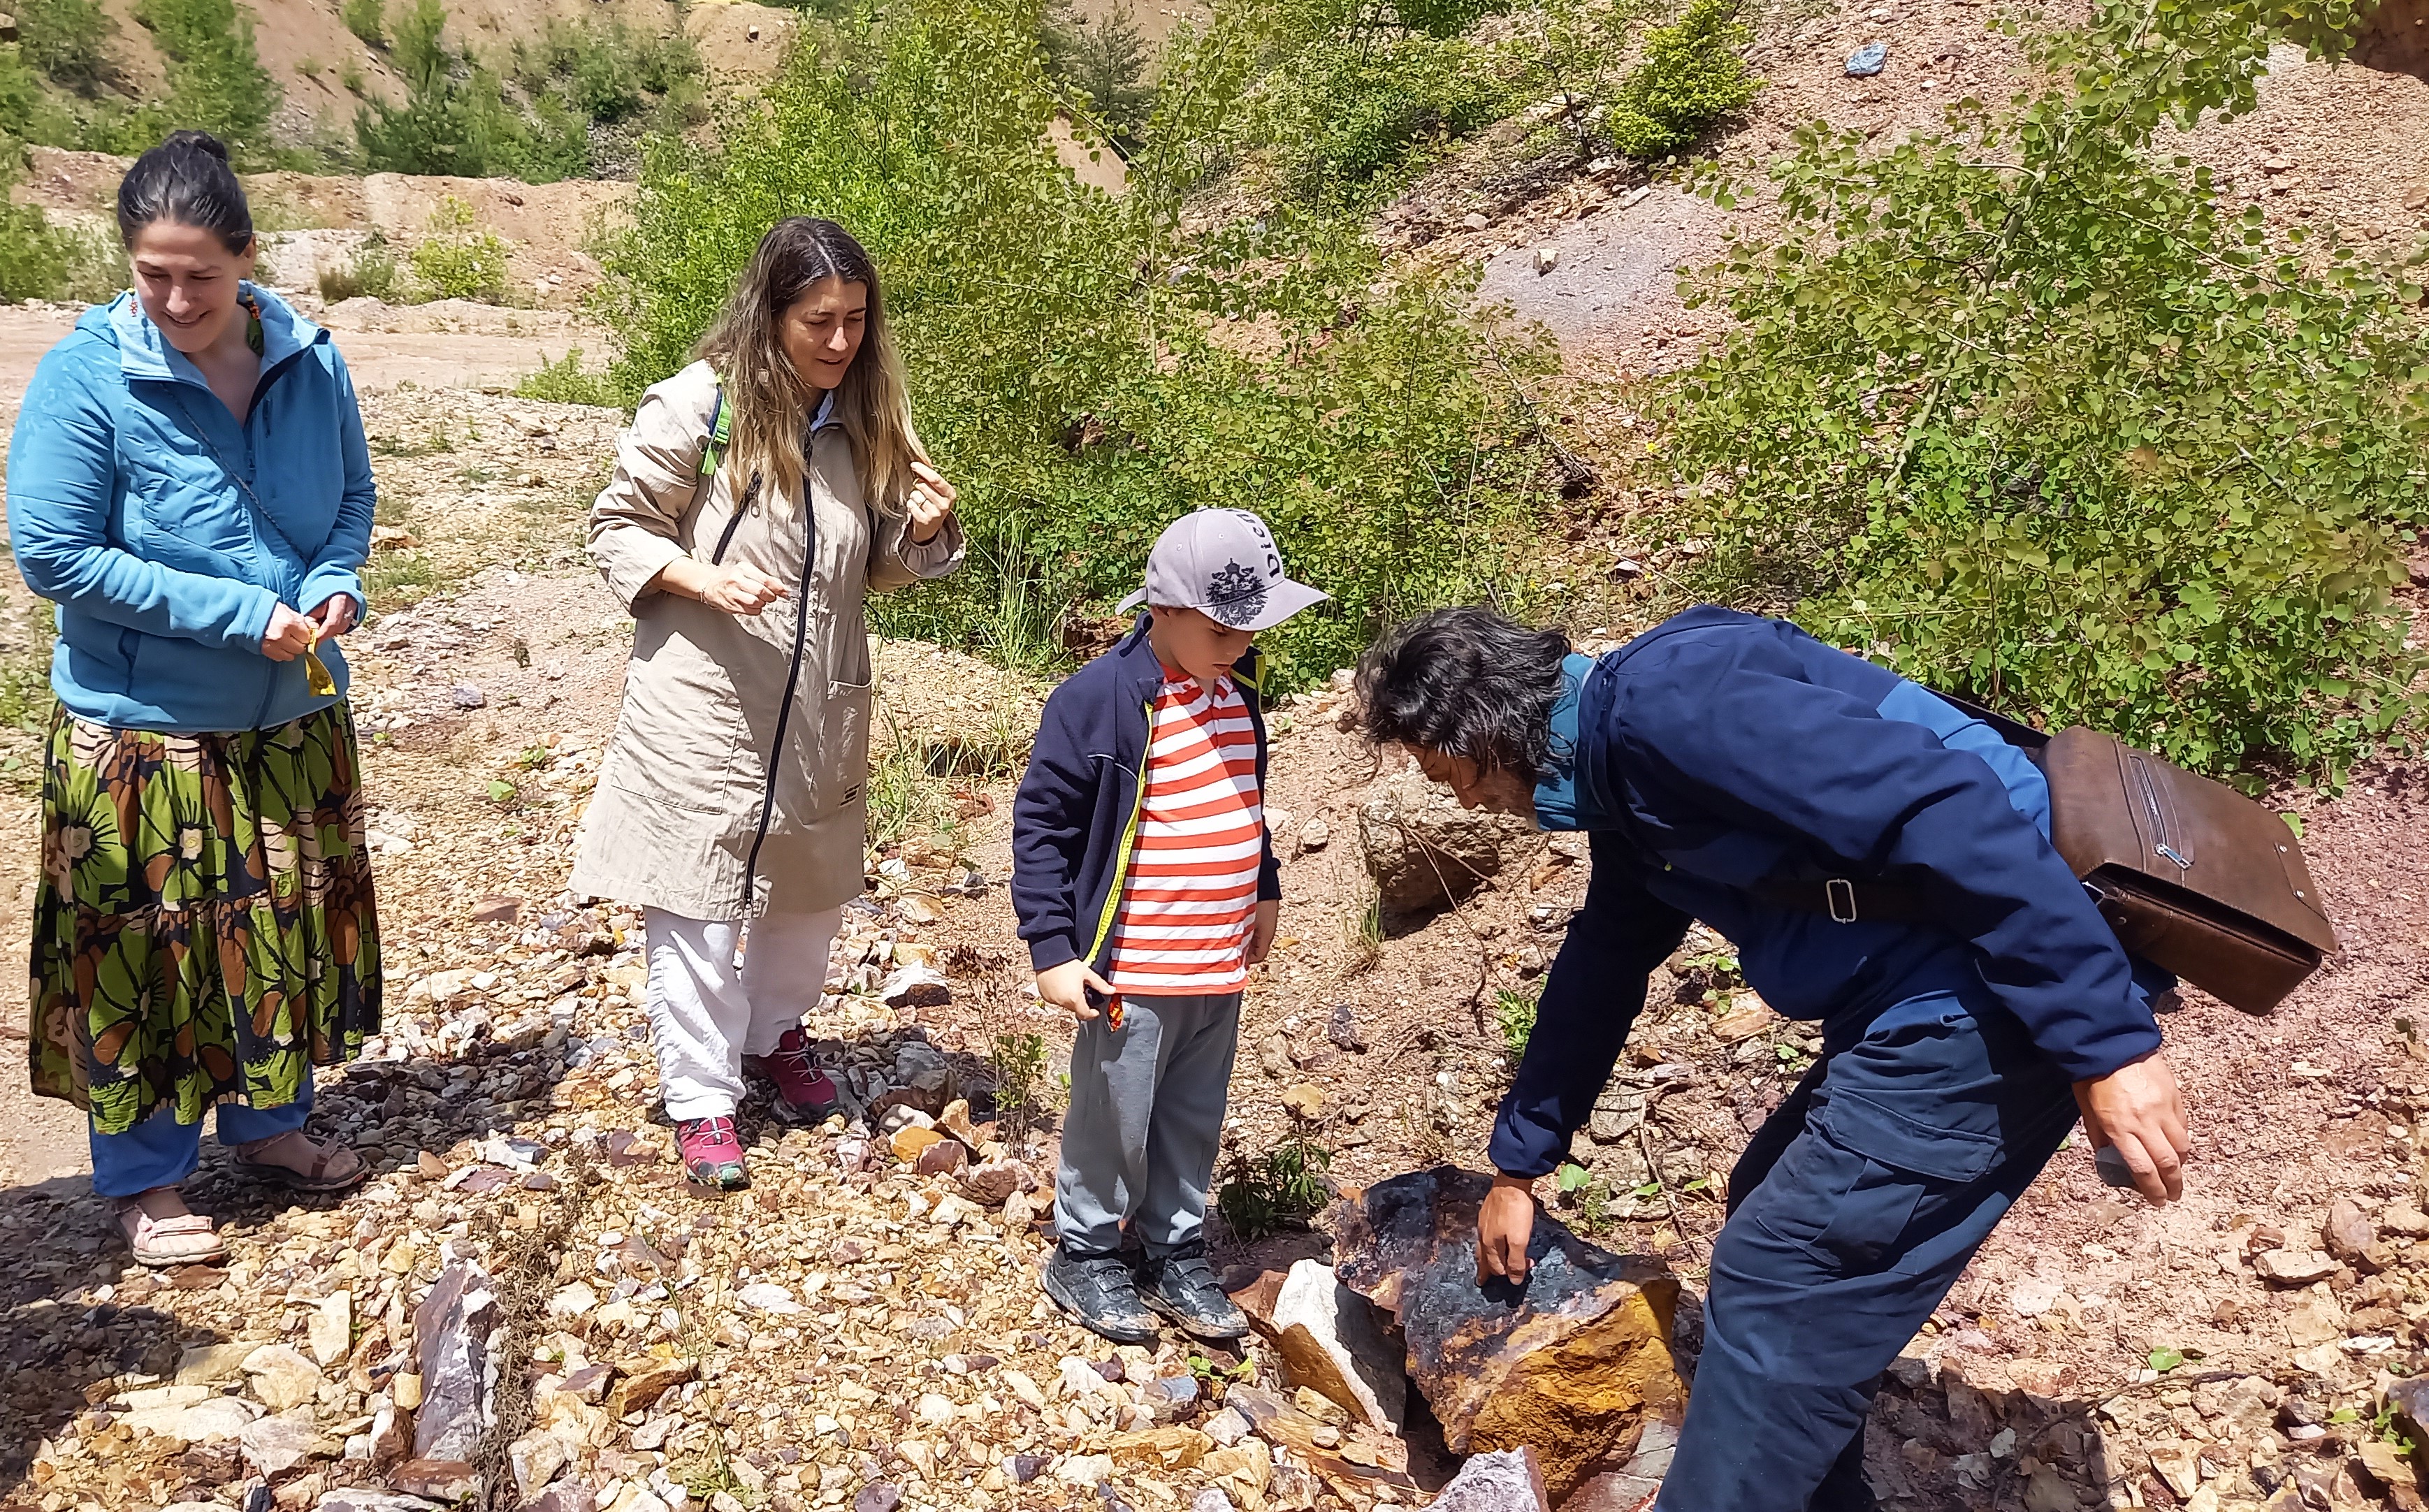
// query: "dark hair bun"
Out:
[198,141]
[186,180]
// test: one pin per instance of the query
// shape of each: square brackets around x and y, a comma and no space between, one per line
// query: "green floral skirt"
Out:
[203,930]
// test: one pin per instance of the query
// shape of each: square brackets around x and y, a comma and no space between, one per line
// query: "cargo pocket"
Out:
[1862,1183]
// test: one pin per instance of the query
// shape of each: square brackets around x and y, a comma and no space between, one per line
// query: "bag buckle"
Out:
[1840,894]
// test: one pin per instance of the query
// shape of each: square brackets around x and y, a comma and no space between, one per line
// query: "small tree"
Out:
[1104,64]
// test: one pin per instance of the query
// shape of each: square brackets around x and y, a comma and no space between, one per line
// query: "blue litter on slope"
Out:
[1867,60]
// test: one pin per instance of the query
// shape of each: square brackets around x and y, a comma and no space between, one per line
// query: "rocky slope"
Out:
[860,1330]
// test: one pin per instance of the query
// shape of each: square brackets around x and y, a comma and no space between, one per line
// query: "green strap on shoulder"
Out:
[720,435]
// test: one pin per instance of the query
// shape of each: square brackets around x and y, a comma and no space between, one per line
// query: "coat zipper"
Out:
[244,486]
[785,709]
[1128,842]
[733,522]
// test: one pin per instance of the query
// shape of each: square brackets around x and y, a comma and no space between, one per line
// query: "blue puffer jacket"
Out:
[124,513]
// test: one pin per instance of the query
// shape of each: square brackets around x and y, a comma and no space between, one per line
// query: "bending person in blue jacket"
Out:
[1736,770]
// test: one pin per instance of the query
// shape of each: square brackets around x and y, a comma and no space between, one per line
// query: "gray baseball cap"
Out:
[1222,561]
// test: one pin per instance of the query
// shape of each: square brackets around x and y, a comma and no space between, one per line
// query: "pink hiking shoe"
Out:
[712,1153]
[804,1092]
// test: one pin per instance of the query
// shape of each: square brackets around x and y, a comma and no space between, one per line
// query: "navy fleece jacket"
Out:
[1071,821]
[1720,750]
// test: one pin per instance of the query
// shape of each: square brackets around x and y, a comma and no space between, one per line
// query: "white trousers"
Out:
[706,1014]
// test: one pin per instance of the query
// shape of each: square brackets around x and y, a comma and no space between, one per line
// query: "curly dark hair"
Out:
[1465,683]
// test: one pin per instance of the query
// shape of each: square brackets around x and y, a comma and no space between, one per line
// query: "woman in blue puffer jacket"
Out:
[188,483]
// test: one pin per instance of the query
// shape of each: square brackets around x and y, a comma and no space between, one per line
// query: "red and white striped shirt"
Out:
[1191,898]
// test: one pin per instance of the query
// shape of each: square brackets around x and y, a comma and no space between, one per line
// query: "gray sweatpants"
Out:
[1145,1119]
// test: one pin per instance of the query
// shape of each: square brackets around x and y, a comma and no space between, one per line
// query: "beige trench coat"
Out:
[683,795]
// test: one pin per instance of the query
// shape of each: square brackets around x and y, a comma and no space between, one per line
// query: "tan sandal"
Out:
[164,1244]
[314,1177]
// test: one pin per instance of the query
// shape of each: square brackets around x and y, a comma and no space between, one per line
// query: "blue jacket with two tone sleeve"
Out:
[1720,750]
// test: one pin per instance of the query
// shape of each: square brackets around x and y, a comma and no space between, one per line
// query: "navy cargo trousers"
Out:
[1853,1212]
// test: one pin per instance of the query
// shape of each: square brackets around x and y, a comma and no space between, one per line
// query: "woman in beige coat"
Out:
[759,495]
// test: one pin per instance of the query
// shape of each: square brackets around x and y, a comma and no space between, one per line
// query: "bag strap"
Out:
[712,456]
[720,436]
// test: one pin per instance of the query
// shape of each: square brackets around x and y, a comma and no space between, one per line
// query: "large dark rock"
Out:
[1573,1364]
[451,1334]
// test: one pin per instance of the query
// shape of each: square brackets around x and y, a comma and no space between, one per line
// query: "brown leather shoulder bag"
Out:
[2192,876]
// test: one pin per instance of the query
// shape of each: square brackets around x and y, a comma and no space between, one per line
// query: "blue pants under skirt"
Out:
[161,1152]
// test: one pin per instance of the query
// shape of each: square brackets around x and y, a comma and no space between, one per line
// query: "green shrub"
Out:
[216,81]
[2031,415]
[1282,1188]
[67,40]
[368,20]
[605,72]
[1692,75]
[1351,108]
[39,260]
[1085,368]
[457,259]
[454,118]
[370,271]
[563,382]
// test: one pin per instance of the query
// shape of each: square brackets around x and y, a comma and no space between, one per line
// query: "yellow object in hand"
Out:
[316,674]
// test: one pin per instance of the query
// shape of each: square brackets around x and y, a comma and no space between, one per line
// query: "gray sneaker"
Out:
[1181,1287]
[1100,1291]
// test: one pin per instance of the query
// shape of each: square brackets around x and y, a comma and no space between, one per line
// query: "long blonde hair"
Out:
[773,405]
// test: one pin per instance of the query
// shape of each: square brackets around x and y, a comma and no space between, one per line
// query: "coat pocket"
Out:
[1863,1184]
[839,772]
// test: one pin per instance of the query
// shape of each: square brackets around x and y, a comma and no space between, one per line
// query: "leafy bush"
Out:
[455,118]
[39,260]
[1087,369]
[370,271]
[216,81]
[1282,1188]
[368,20]
[1349,107]
[1018,1063]
[563,382]
[605,72]
[1692,75]
[457,259]
[67,40]
[2030,416]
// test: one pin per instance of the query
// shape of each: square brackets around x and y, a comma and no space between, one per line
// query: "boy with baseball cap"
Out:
[1147,887]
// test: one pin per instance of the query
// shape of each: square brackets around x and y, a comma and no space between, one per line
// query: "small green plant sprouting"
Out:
[1019,1062]
[501,792]
[1213,1374]
[1282,1189]
[534,758]
[2382,1427]
[1514,1012]
[1589,1194]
